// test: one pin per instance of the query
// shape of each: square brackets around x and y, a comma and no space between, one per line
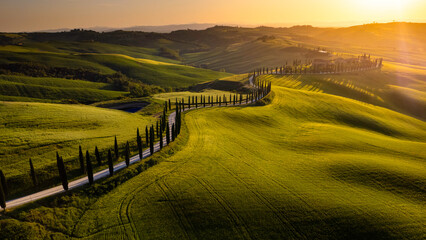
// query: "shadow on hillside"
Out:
[377,92]
[344,226]
[406,186]
[363,122]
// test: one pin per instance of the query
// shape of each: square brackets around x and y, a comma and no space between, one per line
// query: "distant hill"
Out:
[158,29]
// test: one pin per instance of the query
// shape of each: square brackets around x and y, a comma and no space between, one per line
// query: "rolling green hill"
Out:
[308,165]
[142,70]
[156,73]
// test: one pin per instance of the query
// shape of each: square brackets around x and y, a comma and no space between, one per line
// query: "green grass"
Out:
[306,166]
[319,166]
[38,130]
[54,89]
[395,87]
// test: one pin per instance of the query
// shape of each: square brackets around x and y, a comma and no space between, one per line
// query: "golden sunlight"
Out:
[385,5]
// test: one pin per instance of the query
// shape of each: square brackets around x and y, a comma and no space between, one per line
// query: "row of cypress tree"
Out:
[310,67]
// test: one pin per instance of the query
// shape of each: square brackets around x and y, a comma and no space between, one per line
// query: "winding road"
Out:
[104,173]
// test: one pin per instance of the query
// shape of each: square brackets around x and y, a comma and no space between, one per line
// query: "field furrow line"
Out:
[238,222]
[183,222]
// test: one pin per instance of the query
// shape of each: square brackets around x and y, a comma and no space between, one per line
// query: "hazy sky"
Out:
[30,15]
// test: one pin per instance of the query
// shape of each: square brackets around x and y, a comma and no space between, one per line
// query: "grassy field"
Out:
[21,88]
[319,166]
[308,165]
[397,87]
[38,130]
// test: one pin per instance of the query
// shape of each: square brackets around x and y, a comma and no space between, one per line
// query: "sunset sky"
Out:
[31,15]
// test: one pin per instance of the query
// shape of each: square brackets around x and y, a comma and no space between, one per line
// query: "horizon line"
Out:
[321,24]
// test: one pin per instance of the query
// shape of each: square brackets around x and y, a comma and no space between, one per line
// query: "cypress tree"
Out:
[177,124]
[127,154]
[110,166]
[173,132]
[151,140]
[2,197]
[62,171]
[170,105]
[32,173]
[3,183]
[183,104]
[81,159]
[139,141]
[146,135]
[196,102]
[189,102]
[115,147]
[98,156]
[168,133]
[89,168]
[161,140]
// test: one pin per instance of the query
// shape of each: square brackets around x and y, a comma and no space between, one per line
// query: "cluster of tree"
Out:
[266,38]
[361,63]
[169,53]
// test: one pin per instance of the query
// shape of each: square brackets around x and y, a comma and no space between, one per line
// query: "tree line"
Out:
[362,63]
[119,81]
[162,131]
